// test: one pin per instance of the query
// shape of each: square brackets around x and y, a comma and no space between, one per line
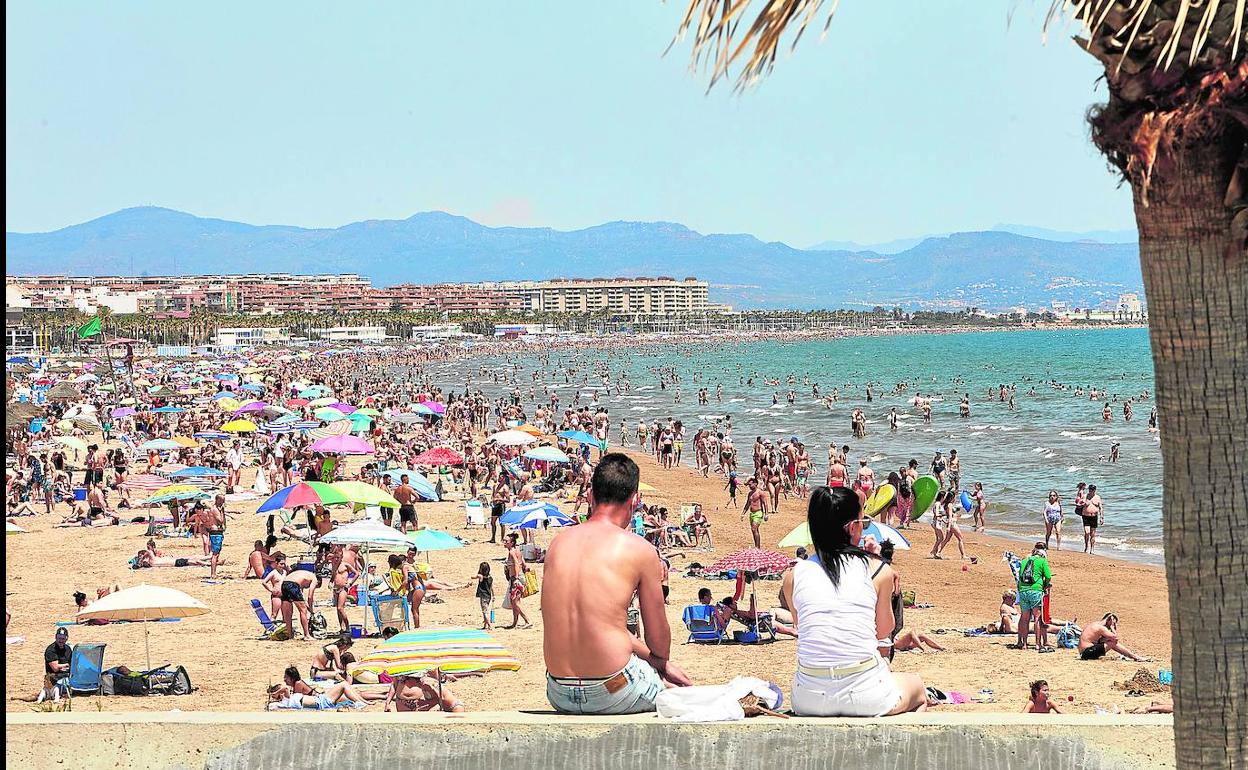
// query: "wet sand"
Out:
[230,667]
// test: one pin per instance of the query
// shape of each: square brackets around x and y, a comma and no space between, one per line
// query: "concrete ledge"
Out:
[347,741]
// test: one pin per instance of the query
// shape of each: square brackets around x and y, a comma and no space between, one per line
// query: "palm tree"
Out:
[1176,128]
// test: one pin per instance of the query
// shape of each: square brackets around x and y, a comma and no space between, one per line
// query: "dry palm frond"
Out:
[1126,35]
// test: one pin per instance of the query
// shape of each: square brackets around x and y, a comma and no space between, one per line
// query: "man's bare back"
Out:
[591,572]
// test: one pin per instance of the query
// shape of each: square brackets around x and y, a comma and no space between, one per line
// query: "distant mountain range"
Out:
[1061,236]
[992,269]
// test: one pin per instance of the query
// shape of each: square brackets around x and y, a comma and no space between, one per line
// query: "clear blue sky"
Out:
[911,117]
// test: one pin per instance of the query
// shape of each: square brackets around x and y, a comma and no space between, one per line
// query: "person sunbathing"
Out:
[295,682]
[1101,637]
[83,516]
[750,617]
[340,695]
[144,559]
[329,661]
[1156,707]
[422,693]
[914,640]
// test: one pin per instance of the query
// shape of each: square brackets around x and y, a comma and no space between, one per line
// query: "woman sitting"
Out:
[328,662]
[423,693]
[844,618]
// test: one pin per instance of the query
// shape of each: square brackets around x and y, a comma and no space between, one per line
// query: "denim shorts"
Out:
[591,696]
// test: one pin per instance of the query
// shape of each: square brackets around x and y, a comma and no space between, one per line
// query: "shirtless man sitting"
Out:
[594,665]
[1101,637]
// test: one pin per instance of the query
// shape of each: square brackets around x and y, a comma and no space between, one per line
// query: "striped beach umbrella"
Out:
[449,650]
[760,560]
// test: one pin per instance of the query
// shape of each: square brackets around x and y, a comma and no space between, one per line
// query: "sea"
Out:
[1051,439]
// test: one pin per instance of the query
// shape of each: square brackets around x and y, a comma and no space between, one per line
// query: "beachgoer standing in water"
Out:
[593,664]
[1093,517]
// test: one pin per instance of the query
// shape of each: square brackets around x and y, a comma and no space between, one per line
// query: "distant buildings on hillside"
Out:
[270,294]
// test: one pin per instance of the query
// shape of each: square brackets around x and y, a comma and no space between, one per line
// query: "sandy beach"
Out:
[230,666]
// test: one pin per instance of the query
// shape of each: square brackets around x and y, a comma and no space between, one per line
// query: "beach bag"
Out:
[1068,636]
[531,585]
[161,681]
[318,626]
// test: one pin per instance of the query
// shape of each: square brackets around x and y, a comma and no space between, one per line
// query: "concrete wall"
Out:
[299,741]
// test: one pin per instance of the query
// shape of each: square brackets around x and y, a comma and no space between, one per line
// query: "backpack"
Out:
[1027,575]
[1068,636]
[318,626]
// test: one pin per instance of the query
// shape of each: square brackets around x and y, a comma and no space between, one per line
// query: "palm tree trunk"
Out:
[1196,279]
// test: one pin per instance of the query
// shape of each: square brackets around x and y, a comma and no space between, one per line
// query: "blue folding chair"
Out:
[86,664]
[263,617]
[703,624]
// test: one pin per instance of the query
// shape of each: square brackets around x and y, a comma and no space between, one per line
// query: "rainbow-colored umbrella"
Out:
[450,650]
[303,493]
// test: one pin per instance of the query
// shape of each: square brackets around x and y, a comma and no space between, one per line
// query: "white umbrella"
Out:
[513,438]
[369,533]
[12,529]
[144,603]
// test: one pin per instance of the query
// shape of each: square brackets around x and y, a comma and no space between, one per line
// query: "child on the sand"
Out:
[1039,702]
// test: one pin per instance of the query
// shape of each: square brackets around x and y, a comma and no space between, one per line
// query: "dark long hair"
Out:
[826,515]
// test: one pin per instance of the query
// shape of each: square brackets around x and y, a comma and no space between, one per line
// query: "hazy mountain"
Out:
[985,269]
[1060,236]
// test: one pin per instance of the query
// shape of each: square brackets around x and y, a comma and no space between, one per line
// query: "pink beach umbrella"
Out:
[343,445]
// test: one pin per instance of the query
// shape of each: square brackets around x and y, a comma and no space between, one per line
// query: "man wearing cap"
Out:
[56,656]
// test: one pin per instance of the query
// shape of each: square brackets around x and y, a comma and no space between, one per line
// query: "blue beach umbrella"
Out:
[581,437]
[198,471]
[531,515]
[422,485]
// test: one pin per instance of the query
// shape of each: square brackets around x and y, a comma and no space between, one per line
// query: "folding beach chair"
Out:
[86,664]
[703,624]
[374,601]
[263,617]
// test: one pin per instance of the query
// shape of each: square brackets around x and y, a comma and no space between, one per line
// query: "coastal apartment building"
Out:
[277,293]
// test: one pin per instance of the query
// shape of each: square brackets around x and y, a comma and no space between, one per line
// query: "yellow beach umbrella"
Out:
[228,404]
[144,603]
[76,444]
[186,441]
[239,426]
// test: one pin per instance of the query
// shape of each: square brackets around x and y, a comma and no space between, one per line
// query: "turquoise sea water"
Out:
[1052,440]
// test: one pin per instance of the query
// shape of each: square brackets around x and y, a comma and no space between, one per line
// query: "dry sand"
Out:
[230,666]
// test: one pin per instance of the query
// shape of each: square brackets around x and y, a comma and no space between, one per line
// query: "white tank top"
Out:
[835,624]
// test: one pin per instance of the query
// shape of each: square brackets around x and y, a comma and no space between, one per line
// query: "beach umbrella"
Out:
[513,438]
[343,445]
[159,444]
[239,426]
[439,456]
[297,402]
[800,536]
[371,412]
[251,406]
[423,486]
[536,511]
[367,532]
[329,414]
[406,418]
[86,378]
[434,540]
[581,437]
[143,604]
[168,410]
[324,401]
[304,493]
[434,406]
[758,560]
[12,529]
[344,408]
[23,411]
[198,471]
[228,404]
[77,444]
[145,483]
[448,650]
[360,421]
[254,387]
[176,492]
[315,431]
[62,392]
[549,454]
[365,494]
[124,411]
[185,441]
[224,394]
[423,411]
[211,435]
[531,429]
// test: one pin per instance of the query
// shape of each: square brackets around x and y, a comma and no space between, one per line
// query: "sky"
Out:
[908,118]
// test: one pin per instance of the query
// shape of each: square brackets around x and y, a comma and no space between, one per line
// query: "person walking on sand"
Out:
[1034,580]
[756,509]
[1053,519]
[1093,517]
[514,571]
[593,664]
